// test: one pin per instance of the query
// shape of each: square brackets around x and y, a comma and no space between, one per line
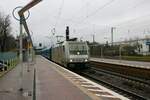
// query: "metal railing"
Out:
[8,60]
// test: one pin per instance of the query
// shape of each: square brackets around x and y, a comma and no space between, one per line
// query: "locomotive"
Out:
[71,53]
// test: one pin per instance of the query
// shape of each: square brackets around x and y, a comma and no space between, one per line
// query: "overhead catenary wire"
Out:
[82,20]
[96,11]
[134,19]
[100,8]
[139,3]
[59,14]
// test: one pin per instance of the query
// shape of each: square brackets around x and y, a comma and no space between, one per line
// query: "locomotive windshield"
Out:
[78,48]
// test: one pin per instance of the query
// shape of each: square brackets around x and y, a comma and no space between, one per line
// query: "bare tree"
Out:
[5,37]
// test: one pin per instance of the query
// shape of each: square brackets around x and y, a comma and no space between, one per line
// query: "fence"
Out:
[8,59]
[117,52]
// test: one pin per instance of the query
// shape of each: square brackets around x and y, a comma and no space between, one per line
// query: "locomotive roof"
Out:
[66,42]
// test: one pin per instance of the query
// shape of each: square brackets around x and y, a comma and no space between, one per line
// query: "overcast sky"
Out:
[84,17]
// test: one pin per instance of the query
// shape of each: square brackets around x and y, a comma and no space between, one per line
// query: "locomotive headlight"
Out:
[70,60]
[85,60]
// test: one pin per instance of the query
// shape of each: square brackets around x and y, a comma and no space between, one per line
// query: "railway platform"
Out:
[57,83]
[52,82]
[139,64]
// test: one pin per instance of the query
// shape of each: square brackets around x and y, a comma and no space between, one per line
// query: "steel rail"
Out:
[119,89]
[123,76]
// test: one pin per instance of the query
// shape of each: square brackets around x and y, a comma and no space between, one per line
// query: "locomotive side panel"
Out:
[58,55]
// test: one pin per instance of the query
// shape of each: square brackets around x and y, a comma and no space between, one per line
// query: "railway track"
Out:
[106,77]
[139,73]
[129,94]
[125,77]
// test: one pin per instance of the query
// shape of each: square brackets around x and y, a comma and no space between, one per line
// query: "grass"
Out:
[137,58]
[131,58]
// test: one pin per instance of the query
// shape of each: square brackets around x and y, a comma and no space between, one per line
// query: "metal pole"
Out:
[21,45]
[21,54]
[101,51]
[28,55]
[112,36]
[120,56]
[93,38]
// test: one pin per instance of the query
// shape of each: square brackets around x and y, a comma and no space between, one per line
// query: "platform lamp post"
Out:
[23,22]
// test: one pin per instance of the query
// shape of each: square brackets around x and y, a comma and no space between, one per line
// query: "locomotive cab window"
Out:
[76,49]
